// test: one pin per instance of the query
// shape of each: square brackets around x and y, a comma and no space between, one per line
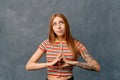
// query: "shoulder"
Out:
[76,41]
[46,41]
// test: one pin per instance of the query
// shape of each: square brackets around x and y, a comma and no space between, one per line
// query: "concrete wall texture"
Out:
[24,25]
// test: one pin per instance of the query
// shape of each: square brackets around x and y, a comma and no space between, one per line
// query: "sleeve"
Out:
[42,46]
[81,48]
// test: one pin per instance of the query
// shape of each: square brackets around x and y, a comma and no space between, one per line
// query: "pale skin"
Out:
[59,29]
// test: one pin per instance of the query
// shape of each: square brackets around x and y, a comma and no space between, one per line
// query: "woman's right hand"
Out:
[56,60]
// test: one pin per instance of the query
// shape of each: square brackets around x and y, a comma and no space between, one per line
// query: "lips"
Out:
[60,31]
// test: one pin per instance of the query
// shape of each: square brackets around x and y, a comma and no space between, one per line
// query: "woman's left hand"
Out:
[68,62]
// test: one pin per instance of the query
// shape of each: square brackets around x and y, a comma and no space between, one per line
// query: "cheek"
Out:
[54,29]
[63,27]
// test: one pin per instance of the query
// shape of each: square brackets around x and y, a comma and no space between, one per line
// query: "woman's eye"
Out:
[61,22]
[54,24]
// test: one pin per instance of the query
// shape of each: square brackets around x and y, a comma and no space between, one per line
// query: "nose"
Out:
[58,26]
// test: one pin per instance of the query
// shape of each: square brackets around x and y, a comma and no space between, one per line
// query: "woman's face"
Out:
[59,26]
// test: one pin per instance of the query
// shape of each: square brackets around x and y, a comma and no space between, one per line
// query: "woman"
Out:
[62,52]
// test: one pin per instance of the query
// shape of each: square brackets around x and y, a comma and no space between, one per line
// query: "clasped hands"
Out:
[61,58]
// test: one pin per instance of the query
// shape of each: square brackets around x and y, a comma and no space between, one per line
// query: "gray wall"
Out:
[24,25]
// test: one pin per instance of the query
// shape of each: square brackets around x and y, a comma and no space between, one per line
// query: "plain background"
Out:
[24,25]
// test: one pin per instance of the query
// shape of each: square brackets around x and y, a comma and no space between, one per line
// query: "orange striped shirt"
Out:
[51,53]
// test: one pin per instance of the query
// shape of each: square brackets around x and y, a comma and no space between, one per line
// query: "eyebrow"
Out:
[59,21]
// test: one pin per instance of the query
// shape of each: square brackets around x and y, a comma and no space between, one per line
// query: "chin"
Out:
[59,35]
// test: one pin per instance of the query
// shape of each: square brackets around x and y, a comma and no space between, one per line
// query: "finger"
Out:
[65,65]
[64,59]
[59,55]
[58,59]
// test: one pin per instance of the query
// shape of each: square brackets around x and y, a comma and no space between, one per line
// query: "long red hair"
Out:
[67,36]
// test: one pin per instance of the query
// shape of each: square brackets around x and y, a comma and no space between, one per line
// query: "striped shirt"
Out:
[51,53]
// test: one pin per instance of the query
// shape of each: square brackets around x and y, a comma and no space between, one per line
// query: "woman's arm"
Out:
[90,64]
[33,65]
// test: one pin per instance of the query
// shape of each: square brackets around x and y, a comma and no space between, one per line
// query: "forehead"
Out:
[57,19]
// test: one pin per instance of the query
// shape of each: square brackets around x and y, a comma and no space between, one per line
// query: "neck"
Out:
[60,39]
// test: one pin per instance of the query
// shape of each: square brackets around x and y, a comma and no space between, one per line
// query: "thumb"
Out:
[64,59]
[59,55]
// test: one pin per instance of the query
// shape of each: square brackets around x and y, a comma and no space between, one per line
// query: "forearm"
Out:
[36,66]
[88,66]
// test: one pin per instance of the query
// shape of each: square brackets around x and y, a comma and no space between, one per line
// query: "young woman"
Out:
[62,52]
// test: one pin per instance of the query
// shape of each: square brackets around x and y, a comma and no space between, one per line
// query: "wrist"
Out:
[75,63]
[48,64]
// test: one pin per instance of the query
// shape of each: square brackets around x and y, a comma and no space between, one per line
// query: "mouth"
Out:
[60,31]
